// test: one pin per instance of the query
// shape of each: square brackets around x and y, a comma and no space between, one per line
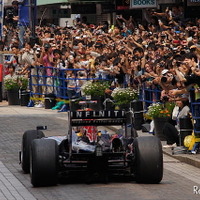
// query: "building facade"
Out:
[63,12]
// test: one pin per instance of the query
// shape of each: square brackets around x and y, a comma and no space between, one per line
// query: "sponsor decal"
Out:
[97,114]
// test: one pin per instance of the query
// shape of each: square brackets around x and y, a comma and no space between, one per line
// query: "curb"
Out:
[194,161]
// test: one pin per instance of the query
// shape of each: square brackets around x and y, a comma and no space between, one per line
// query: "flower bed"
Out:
[15,83]
[94,88]
[124,96]
[156,110]
[11,83]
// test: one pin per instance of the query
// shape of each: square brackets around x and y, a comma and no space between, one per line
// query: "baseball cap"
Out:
[164,71]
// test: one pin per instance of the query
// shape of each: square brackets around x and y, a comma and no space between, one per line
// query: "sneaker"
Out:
[39,105]
[30,104]
[170,145]
[152,133]
[193,152]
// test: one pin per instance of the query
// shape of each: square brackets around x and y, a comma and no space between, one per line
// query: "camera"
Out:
[163,36]
[169,79]
[81,74]
[165,99]
[178,63]
[164,79]
[46,46]
[9,14]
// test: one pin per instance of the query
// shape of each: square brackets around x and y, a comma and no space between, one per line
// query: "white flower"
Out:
[124,95]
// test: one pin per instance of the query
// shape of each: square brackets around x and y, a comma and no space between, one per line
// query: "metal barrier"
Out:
[57,80]
[195,109]
[47,80]
[150,95]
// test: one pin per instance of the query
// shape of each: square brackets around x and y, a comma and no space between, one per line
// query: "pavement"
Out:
[6,110]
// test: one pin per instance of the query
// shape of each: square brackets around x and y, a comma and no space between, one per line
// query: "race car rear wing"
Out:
[97,118]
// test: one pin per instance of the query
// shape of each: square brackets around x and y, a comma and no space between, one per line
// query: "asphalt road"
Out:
[180,181]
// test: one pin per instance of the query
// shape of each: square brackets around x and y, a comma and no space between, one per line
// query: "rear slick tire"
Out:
[44,162]
[148,167]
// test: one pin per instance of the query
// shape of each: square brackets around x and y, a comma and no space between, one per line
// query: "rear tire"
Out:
[148,167]
[27,139]
[44,161]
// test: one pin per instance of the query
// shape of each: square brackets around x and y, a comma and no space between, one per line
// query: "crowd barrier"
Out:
[150,95]
[195,110]
[55,85]
[58,82]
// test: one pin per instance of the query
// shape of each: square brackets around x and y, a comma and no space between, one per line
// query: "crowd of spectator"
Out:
[161,52]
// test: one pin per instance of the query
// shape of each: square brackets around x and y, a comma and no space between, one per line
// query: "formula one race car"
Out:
[89,150]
